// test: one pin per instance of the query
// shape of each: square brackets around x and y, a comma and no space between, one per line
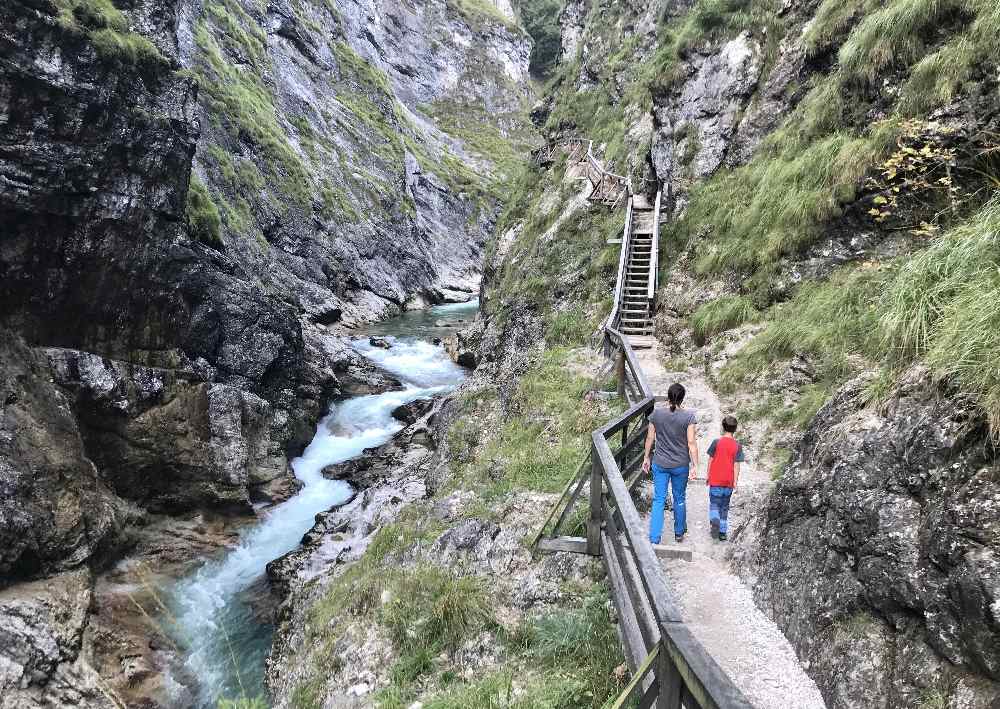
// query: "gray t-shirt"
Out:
[671,436]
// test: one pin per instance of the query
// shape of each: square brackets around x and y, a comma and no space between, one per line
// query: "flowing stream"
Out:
[224,640]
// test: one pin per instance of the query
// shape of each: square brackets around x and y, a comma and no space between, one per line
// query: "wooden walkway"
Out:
[692,635]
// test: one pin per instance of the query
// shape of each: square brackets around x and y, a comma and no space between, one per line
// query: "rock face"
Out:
[695,123]
[195,198]
[879,554]
[55,510]
[41,633]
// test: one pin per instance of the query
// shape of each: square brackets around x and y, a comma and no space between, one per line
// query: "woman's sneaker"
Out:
[722,536]
[678,538]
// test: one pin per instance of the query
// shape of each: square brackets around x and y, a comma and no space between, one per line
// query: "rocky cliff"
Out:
[828,169]
[196,198]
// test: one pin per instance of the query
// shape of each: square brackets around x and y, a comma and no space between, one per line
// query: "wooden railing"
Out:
[670,668]
[612,320]
[654,262]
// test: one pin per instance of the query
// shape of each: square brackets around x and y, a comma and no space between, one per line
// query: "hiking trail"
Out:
[717,606]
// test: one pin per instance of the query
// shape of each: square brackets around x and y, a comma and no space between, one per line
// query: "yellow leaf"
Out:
[874,212]
[880,200]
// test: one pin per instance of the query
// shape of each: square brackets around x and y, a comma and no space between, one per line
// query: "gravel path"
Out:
[717,607]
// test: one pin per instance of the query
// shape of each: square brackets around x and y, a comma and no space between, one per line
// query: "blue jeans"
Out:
[718,506]
[677,478]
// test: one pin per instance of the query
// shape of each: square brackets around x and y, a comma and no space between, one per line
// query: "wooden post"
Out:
[596,489]
[668,679]
[620,372]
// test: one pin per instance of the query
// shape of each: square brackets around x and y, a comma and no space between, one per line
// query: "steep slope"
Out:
[196,197]
[832,175]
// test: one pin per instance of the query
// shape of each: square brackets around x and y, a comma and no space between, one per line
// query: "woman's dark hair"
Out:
[675,395]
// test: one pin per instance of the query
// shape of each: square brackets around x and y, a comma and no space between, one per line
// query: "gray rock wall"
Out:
[878,550]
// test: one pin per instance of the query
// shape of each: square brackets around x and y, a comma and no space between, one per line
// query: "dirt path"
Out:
[716,605]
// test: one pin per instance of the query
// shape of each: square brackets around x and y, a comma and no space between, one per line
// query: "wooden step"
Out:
[641,342]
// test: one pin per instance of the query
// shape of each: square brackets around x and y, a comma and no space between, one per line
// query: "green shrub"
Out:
[721,314]
[203,218]
[107,29]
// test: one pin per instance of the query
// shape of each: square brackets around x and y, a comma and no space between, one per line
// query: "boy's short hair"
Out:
[729,424]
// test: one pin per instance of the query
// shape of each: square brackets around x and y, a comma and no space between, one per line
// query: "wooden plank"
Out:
[596,489]
[640,408]
[655,251]
[574,545]
[663,551]
[650,696]
[552,512]
[670,682]
[649,567]
[582,477]
[710,687]
[640,673]
[628,627]
[633,584]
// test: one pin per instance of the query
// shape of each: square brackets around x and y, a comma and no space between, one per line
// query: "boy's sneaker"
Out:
[722,536]
[714,531]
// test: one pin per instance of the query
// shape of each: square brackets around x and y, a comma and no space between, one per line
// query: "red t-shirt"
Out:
[725,453]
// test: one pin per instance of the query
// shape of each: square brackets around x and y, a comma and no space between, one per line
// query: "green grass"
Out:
[563,659]
[937,306]
[721,314]
[243,703]
[894,35]
[203,218]
[107,29]
[540,447]
[942,306]
[244,105]
[830,322]
[788,191]
[481,14]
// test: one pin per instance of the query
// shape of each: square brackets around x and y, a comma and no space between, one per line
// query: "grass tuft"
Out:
[203,218]
[720,315]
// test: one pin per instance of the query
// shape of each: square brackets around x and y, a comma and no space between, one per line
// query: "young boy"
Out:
[724,458]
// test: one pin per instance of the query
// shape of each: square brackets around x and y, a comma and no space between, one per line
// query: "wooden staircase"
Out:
[636,303]
[635,293]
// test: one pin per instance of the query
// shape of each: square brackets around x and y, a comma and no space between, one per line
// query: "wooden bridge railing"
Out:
[670,668]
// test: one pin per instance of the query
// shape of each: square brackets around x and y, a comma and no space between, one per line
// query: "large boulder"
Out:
[879,549]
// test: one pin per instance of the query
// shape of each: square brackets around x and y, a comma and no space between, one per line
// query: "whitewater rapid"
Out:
[224,642]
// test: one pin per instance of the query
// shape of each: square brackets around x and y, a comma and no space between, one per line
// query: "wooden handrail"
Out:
[612,320]
[671,667]
[654,256]
[685,674]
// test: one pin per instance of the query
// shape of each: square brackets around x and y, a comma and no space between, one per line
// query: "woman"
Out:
[672,430]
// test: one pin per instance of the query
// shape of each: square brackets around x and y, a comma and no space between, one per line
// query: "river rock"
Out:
[381,342]
[880,547]
[411,412]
